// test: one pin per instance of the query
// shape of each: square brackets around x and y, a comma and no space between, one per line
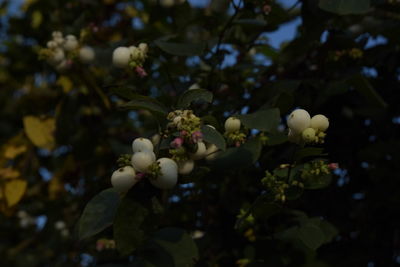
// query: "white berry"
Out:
[194,86]
[232,124]
[168,176]
[57,56]
[142,144]
[144,47]
[320,122]
[70,43]
[121,57]
[186,167]
[211,152]
[142,160]
[309,135]
[200,152]
[299,120]
[86,54]
[123,179]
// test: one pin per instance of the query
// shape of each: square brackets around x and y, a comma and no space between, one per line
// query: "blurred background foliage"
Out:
[61,132]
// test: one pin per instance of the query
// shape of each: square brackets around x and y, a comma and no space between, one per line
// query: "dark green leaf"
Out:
[194,95]
[345,7]
[170,247]
[128,234]
[263,120]
[363,86]
[311,235]
[99,213]
[308,152]
[318,182]
[212,136]
[146,103]
[181,49]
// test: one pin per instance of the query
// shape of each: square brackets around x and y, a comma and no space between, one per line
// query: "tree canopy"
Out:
[234,163]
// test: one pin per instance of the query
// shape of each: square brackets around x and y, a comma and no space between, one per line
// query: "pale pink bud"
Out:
[333,166]
[197,136]
[177,142]
[141,72]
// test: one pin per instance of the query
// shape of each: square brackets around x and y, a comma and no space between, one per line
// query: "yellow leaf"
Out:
[14,190]
[55,188]
[65,83]
[40,132]
[37,19]
[12,151]
[9,173]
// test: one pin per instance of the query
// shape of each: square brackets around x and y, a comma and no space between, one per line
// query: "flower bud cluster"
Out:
[233,134]
[131,57]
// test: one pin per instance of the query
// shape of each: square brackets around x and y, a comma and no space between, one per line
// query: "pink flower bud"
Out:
[184,133]
[333,166]
[100,245]
[141,72]
[177,143]
[139,176]
[197,137]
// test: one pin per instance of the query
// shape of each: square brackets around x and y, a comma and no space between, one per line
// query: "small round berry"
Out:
[200,152]
[211,152]
[299,120]
[51,45]
[70,43]
[86,54]
[232,124]
[121,57]
[155,139]
[142,160]
[123,179]
[309,135]
[57,57]
[142,144]
[168,176]
[144,48]
[320,122]
[185,167]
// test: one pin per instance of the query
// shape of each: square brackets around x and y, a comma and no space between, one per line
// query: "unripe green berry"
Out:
[309,135]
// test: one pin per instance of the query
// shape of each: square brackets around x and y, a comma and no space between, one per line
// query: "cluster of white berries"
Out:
[61,51]
[131,56]
[303,128]
[62,227]
[162,173]
[25,220]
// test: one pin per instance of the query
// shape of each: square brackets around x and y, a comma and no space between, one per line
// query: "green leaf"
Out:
[329,230]
[364,87]
[239,157]
[251,22]
[311,235]
[124,92]
[263,120]
[318,182]
[212,136]
[128,234]
[194,95]
[308,152]
[345,7]
[147,103]
[170,247]
[181,49]
[99,213]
